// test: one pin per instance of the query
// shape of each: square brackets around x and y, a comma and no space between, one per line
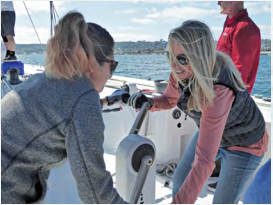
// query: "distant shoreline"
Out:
[131,48]
[265,52]
[135,53]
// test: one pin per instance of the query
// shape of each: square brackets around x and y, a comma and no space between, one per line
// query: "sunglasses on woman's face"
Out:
[113,65]
[180,58]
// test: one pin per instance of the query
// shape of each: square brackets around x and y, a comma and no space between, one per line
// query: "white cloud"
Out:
[265,31]
[187,12]
[254,8]
[127,28]
[216,31]
[23,34]
[216,28]
[36,6]
[153,15]
[182,13]
[207,4]
[266,8]
[129,11]
[133,37]
[154,1]
[264,26]
[143,21]
[154,10]
[257,4]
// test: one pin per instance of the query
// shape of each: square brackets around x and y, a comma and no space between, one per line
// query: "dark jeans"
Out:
[237,169]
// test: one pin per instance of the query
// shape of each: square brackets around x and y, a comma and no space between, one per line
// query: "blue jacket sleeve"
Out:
[259,191]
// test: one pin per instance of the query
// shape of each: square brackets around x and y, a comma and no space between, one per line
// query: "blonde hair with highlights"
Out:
[206,63]
[69,51]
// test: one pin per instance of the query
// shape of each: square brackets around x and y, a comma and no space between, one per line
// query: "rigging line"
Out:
[56,20]
[55,11]
[34,27]
[53,19]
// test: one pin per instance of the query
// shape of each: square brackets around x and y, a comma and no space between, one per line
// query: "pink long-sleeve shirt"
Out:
[211,129]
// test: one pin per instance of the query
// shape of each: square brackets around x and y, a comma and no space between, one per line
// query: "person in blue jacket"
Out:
[259,191]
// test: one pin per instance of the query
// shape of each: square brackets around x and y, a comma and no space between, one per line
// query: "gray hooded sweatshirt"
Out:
[44,122]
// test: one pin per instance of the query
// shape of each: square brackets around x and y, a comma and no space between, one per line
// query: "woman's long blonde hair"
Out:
[69,50]
[206,63]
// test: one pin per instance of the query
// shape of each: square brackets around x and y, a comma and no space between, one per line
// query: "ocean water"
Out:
[156,67]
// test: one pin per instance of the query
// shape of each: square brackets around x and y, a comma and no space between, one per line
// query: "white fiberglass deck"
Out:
[62,187]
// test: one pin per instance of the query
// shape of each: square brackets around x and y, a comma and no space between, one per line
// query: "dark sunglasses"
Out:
[113,64]
[180,58]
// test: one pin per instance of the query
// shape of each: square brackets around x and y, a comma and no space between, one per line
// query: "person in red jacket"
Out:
[241,40]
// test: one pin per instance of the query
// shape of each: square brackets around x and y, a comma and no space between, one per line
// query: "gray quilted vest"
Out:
[245,124]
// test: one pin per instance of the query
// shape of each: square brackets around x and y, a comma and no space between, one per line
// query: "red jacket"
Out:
[241,40]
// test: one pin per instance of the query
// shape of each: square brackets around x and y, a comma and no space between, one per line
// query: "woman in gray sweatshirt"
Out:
[56,115]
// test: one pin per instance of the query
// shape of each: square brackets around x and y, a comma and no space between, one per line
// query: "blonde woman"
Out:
[207,87]
[56,115]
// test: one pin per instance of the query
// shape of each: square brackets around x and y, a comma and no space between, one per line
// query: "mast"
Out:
[51,18]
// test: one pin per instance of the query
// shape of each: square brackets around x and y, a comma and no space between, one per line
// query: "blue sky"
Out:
[134,20]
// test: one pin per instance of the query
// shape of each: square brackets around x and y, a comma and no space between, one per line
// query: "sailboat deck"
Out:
[62,187]
[61,184]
